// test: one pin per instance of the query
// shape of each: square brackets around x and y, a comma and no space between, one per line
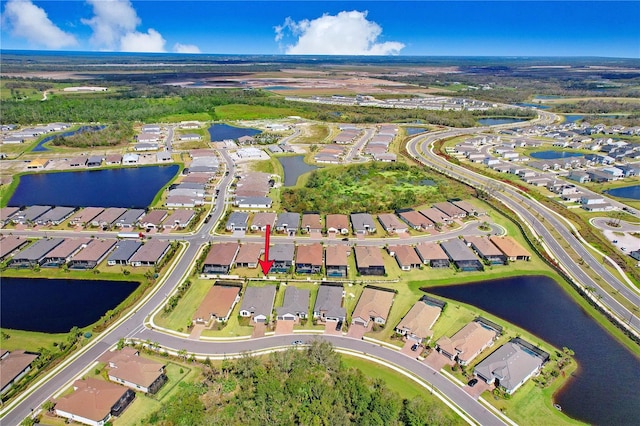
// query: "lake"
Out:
[219,132]
[497,121]
[130,187]
[572,118]
[41,148]
[414,130]
[294,166]
[57,305]
[530,105]
[632,192]
[552,155]
[604,389]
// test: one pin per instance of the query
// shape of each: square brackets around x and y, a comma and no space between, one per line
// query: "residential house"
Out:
[29,214]
[295,305]
[128,368]
[130,158]
[467,343]
[416,324]
[151,253]
[9,244]
[336,262]
[63,252]
[282,256]
[220,258]
[130,218]
[6,213]
[391,223]
[328,306]
[461,255]
[406,256]
[95,161]
[179,219]
[337,224]
[108,216]
[85,216]
[309,259]
[34,254]
[94,402]
[469,208]
[288,223]
[113,160]
[14,365]
[92,254]
[510,248]
[123,252]
[248,255]
[55,216]
[369,260]
[362,223]
[311,222]
[261,220]
[257,303]
[374,305]
[450,210]
[237,221]
[432,255]
[486,250]
[415,220]
[217,304]
[153,219]
[246,202]
[438,217]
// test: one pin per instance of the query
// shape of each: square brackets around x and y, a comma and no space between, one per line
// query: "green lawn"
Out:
[182,315]
[29,340]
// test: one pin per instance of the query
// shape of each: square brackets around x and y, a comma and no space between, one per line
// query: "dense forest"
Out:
[308,387]
[373,188]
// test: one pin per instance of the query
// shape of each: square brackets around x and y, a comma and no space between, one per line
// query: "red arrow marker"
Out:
[266,263]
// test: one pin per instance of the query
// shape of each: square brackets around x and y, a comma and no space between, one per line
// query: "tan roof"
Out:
[311,221]
[217,302]
[109,215]
[509,246]
[222,254]
[406,255]
[154,216]
[309,254]
[180,216]
[263,218]
[420,319]
[86,215]
[483,245]
[336,255]
[390,221]
[416,219]
[337,221]
[125,364]
[92,399]
[373,304]
[11,243]
[114,158]
[368,256]
[431,251]
[197,178]
[94,250]
[67,247]
[468,341]
[150,251]
[249,252]
[13,364]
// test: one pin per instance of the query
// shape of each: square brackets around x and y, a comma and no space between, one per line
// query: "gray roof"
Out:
[95,159]
[190,185]
[259,300]
[457,250]
[130,217]
[296,300]
[361,221]
[510,364]
[109,215]
[282,252]
[237,219]
[124,250]
[151,251]
[38,250]
[33,212]
[254,200]
[56,214]
[329,300]
[290,220]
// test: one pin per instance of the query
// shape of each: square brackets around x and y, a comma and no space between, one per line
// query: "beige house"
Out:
[417,323]
[467,343]
[374,305]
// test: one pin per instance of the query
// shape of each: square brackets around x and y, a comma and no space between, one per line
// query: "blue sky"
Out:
[471,28]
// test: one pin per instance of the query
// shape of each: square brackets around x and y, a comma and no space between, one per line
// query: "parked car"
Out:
[339,326]
[472,382]
[414,347]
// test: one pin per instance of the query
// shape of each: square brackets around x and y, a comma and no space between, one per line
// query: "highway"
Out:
[132,326]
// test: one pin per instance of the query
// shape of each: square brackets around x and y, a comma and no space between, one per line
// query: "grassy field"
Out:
[315,133]
[176,118]
[252,112]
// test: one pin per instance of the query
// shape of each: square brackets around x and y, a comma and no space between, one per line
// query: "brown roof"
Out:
[95,250]
[68,247]
[373,303]
[420,319]
[311,221]
[431,251]
[406,255]
[125,364]
[483,245]
[109,215]
[154,216]
[336,255]
[249,253]
[434,215]
[181,216]
[337,221]
[390,221]
[91,399]
[150,251]
[450,209]
[198,178]
[13,364]
[509,246]
[86,215]
[222,254]
[263,218]
[10,243]
[113,158]
[468,341]
[309,254]
[416,219]
[368,256]
[217,302]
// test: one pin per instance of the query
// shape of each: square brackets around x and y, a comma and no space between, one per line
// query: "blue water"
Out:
[414,130]
[552,155]
[572,118]
[41,148]
[130,187]
[280,88]
[57,305]
[632,192]
[220,132]
[604,389]
[538,106]
[543,97]
[497,121]
[294,166]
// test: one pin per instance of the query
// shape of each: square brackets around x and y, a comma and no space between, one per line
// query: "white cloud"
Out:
[185,48]
[32,23]
[347,33]
[112,19]
[151,41]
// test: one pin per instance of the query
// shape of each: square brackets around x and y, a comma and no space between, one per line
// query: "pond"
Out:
[129,187]
[498,121]
[604,389]
[219,132]
[414,130]
[57,305]
[572,118]
[632,192]
[41,148]
[530,105]
[294,166]
[551,155]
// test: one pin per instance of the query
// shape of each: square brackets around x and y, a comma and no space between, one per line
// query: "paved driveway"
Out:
[357,331]
[258,329]
[284,327]
[436,360]
[330,328]
[406,349]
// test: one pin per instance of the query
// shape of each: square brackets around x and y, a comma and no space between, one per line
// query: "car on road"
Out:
[472,382]
[297,342]
[207,219]
[345,239]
